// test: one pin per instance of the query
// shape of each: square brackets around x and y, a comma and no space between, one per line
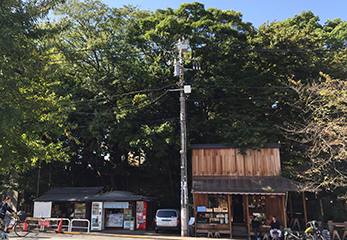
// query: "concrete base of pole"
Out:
[184,222]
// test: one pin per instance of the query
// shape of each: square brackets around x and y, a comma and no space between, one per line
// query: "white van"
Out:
[166,219]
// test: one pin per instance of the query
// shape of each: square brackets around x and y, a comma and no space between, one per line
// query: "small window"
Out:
[215,201]
[167,213]
[256,202]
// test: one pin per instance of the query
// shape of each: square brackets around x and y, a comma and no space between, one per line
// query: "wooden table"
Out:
[214,232]
[265,228]
[266,231]
[333,232]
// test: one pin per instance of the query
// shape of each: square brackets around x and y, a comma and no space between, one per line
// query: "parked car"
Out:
[166,219]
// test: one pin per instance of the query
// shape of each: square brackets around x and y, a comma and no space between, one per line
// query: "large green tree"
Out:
[320,125]
[115,93]
[298,50]
[32,115]
[116,65]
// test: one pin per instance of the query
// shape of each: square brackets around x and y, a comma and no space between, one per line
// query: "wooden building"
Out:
[229,188]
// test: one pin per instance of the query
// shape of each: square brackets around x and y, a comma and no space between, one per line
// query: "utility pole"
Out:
[184,177]
[38,180]
[184,89]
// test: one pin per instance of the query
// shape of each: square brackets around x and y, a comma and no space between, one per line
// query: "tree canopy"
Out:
[94,88]
[32,116]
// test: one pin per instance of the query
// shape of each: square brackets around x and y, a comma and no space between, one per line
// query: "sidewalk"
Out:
[149,234]
[143,234]
[153,235]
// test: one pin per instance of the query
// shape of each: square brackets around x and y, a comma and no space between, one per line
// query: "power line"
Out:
[284,50]
[135,122]
[279,50]
[124,111]
[137,53]
[125,94]
[241,87]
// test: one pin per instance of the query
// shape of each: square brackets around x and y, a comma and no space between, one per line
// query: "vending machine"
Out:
[141,211]
[97,216]
[127,218]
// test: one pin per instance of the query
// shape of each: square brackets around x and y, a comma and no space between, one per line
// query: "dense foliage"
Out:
[32,115]
[121,127]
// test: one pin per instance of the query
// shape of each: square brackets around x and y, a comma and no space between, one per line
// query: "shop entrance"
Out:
[239,226]
[237,207]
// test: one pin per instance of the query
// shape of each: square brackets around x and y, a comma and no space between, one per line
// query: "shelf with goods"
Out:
[216,218]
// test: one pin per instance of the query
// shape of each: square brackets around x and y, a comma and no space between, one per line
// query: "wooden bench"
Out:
[212,230]
[265,232]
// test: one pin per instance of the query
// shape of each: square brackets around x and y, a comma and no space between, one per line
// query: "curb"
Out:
[63,232]
[129,235]
[134,236]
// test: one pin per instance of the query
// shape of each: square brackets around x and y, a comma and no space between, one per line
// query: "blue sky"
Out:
[255,11]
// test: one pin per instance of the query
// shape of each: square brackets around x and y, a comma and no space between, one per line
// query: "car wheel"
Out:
[156,231]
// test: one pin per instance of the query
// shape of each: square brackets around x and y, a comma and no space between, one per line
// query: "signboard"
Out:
[114,205]
[42,209]
[126,225]
[43,223]
[114,220]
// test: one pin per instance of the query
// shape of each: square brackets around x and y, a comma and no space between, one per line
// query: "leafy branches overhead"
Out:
[320,125]
[107,71]
[32,116]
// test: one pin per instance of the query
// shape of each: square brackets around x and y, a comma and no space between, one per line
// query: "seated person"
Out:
[275,227]
[255,227]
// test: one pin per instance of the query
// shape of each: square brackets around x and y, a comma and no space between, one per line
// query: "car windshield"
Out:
[166,214]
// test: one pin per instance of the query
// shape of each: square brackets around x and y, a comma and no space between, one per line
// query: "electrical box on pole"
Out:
[187,89]
[183,47]
[176,68]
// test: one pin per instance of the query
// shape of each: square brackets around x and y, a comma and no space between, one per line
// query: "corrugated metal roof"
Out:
[71,194]
[119,196]
[268,185]
[222,146]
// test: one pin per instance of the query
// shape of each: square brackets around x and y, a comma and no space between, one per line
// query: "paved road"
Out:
[96,236]
[51,236]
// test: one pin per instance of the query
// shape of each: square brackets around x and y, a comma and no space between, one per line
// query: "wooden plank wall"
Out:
[275,207]
[228,161]
[200,200]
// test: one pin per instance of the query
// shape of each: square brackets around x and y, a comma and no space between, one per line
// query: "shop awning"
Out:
[69,194]
[264,185]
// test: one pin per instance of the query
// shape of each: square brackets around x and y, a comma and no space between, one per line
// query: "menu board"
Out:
[114,220]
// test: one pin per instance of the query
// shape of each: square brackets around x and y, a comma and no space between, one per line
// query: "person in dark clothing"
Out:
[275,227]
[3,213]
[255,227]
